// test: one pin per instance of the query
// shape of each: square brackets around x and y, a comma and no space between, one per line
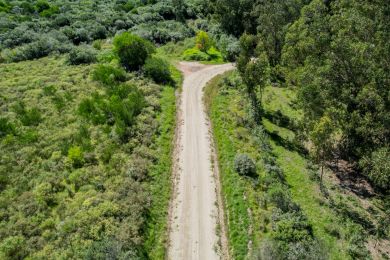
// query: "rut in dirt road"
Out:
[194,210]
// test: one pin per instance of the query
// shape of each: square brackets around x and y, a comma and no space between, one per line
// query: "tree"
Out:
[322,138]
[203,41]
[254,70]
[179,9]
[132,50]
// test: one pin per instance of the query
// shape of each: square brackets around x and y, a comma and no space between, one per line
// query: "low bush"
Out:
[76,156]
[377,167]
[280,197]
[229,46]
[195,54]
[108,75]
[244,165]
[34,50]
[6,127]
[82,55]
[28,117]
[214,55]
[119,107]
[132,50]
[97,44]
[158,70]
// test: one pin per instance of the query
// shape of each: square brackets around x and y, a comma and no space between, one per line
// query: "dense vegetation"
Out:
[80,160]
[276,203]
[336,53]
[87,118]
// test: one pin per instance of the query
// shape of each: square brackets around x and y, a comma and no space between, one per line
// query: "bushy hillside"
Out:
[33,29]
[77,182]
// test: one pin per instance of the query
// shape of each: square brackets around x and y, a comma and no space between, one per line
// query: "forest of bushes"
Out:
[87,115]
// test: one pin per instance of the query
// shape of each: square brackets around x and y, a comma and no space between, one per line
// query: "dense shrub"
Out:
[41,6]
[50,12]
[94,109]
[98,32]
[119,107]
[76,156]
[28,117]
[214,55]
[195,54]
[203,41]
[13,247]
[34,50]
[132,50]
[229,46]
[18,36]
[6,127]
[280,197]
[61,20]
[108,75]
[80,35]
[158,70]
[377,167]
[244,165]
[97,44]
[4,7]
[82,55]
[163,31]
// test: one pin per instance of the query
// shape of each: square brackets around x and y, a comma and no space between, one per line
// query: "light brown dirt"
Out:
[194,207]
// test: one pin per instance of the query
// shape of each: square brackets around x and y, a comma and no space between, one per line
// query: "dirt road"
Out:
[194,210]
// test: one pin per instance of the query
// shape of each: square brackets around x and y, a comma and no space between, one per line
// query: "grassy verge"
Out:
[233,189]
[161,174]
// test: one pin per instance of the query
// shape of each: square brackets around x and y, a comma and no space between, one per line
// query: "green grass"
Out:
[234,189]
[307,194]
[161,174]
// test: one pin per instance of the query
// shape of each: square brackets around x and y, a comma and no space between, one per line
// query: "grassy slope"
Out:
[226,109]
[305,191]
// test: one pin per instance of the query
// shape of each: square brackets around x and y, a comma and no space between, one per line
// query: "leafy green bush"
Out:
[203,41]
[195,54]
[377,167]
[82,55]
[244,165]
[41,6]
[28,117]
[76,156]
[34,50]
[13,247]
[229,46]
[106,56]
[120,107]
[50,12]
[132,50]
[4,7]
[6,127]
[280,197]
[94,109]
[108,75]
[158,70]
[214,55]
